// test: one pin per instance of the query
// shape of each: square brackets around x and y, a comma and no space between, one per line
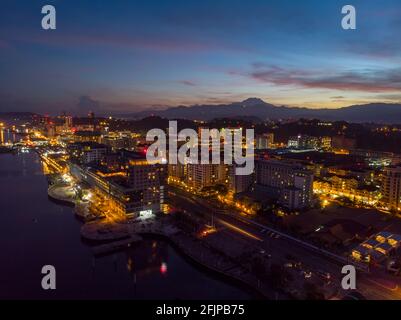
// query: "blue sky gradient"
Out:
[120,55]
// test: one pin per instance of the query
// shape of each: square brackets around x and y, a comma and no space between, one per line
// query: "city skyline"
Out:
[119,57]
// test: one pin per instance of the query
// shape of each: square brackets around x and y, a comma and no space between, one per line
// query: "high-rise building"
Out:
[391,188]
[136,188]
[204,175]
[238,183]
[177,171]
[148,180]
[68,122]
[293,182]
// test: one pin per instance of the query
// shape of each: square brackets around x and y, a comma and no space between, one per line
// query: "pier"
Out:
[115,246]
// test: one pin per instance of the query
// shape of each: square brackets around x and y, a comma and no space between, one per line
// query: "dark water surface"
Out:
[37,232]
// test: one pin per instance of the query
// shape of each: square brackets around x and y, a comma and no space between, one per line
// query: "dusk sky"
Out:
[113,56]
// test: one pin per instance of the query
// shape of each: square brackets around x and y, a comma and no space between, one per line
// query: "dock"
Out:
[115,245]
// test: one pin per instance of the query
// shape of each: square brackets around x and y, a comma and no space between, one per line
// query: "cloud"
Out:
[394,97]
[367,80]
[187,83]
[86,104]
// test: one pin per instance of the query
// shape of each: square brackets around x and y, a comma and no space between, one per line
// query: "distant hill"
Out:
[258,109]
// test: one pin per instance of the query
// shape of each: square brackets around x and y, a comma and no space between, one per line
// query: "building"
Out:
[348,187]
[87,152]
[377,248]
[177,171]
[84,124]
[238,183]
[325,143]
[199,175]
[118,141]
[391,188]
[264,141]
[148,179]
[293,182]
[68,122]
[293,142]
[87,136]
[303,142]
[136,189]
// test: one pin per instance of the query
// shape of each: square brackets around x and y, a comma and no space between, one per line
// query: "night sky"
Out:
[113,56]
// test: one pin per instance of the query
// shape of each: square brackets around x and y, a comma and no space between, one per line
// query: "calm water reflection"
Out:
[35,232]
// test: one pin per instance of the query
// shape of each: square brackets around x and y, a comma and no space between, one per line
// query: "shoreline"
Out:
[189,247]
[215,273]
[124,235]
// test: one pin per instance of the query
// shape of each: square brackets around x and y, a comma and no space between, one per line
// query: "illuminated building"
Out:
[68,122]
[303,142]
[325,143]
[293,182]
[204,175]
[377,247]
[84,124]
[238,183]
[87,152]
[137,189]
[177,171]
[391,188]
[348,187]
[293,142]
[87,136]
[264,141]
[118,140]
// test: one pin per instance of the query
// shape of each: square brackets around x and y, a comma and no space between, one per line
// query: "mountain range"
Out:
[258,109]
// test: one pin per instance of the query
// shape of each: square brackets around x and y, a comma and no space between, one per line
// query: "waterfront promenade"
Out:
[198,251]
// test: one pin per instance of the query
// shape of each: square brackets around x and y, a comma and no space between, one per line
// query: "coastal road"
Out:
[372,285]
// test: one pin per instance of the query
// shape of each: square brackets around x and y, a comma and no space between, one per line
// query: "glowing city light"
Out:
[163,268]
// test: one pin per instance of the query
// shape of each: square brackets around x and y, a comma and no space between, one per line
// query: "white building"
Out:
[295,184]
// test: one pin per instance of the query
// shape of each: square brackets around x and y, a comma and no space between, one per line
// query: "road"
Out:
[372,285]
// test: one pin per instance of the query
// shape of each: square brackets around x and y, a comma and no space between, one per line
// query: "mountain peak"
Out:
[252,102]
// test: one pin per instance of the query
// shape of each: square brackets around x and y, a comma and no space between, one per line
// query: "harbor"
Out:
[107,272]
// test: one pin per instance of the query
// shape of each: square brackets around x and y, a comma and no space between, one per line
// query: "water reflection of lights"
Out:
[163,268]
[129,264]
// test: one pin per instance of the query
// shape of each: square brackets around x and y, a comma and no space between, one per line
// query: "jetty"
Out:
[115,245]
